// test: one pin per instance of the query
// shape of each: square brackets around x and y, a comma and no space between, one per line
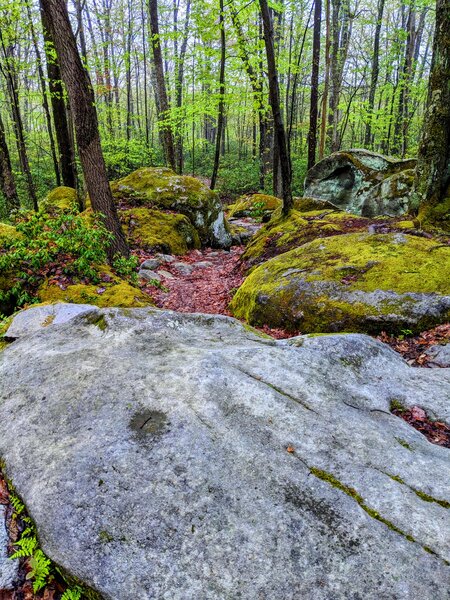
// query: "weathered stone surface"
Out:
[182,456]
[439,355]
[162,188]
[353,282]
[149,275]
[362,182]
[8,567]
[38,317]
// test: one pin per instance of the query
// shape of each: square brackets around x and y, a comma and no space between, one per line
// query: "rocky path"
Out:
[201,281]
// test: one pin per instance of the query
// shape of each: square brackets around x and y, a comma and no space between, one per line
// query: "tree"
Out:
[66,151]
[81,98]
[432,190]
[7,183]
[221,115]
[374,73]
[162,103]
[313,112]
[275,103]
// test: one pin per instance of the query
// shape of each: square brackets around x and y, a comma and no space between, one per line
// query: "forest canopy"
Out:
[372,62]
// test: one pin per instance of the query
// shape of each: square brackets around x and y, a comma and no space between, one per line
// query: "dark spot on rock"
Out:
[149,422]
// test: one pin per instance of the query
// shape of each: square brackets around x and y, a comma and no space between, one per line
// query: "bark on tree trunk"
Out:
[374,74]
[313,112]
[66,150]
[221,114]
[161,91]
[7,183]
[431,189]
[81,98]
[275,103]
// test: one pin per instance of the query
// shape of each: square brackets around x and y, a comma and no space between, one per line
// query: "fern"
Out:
[72,594]
[40,570]
[27,546]
[17,504]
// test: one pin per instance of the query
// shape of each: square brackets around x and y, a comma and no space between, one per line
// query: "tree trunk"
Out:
[313,111]
[220,118]
[81,98]
[431,189]
[45,105]
[11,85]
[374,75]
[7,183]
[66,149]
[275,103]
[161,91]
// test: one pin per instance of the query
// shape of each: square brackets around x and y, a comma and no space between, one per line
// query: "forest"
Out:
[224,299]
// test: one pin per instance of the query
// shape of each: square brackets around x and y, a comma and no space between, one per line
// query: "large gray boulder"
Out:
[363,182]
[183,456]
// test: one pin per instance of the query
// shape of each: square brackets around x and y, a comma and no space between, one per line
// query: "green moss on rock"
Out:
[163,189]
[155,230]
[253,204]
[61,198]
[283,233]
[8,234]
[352,282]
[121,294]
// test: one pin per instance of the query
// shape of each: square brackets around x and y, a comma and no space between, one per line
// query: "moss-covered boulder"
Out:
[161,188]
[353,282]
[283,233]
[61,198]
[253,205]
[8,234]
[117,293]
[155,230]
[352,181]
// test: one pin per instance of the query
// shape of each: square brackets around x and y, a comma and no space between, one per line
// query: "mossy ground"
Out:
[274,294]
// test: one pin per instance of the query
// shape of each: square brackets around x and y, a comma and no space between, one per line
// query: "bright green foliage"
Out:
[40,570]
[63,241]
[72,594]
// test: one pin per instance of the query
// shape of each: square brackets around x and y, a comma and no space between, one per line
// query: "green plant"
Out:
[126,267]
[52,245]
[258,210]
[40,570]
[72,594]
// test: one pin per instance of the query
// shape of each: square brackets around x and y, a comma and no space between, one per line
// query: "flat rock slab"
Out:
[183,456]
[39,317]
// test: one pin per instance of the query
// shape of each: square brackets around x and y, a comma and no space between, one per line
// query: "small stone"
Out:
[151,264]
[168,258]
[183,268]
[149,275]
[166,274]
[203,265]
